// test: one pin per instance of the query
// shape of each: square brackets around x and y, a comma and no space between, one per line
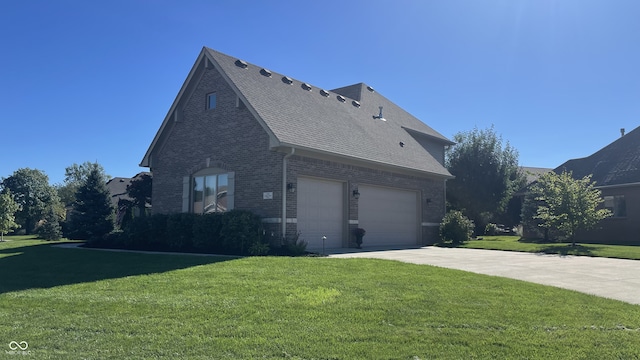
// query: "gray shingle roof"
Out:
[616,164]
[339,122]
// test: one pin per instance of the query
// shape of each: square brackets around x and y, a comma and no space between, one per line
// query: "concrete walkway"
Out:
[610,278]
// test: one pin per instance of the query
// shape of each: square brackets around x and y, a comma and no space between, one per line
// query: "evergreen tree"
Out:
[93,214]
[50,229]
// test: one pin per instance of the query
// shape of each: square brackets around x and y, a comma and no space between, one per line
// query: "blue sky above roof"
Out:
[92,81]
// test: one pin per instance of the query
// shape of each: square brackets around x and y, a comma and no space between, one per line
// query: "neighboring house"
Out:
[533,173]
[616,171]
[307,160]
[118,190]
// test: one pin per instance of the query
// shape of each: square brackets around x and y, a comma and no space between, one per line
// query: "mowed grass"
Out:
[87,304]
[513,243]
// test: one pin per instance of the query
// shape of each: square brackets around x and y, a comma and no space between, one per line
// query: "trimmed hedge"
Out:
[236,232]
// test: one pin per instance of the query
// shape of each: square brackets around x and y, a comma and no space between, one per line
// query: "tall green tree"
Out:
[140,191]
[93,214]
[8,209]
[50,228]
[567,204]
[486,176]
[74,176]
[34,195]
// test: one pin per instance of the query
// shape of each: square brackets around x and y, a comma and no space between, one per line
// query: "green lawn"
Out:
[513,243]
[76,304]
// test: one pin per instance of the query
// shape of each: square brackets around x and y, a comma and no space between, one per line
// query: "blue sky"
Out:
[92,81]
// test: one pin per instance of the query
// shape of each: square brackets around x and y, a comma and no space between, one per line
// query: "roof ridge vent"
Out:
[287,80]
[306,86]
[355,103]
[324,93]
[241,64]
[370,89]
[379,117]
[265,72]
[341,98]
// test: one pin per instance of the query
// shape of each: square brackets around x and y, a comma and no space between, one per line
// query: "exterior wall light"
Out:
[356,194]
[291,187]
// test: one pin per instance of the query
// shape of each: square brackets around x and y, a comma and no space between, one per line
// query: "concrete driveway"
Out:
[610,278]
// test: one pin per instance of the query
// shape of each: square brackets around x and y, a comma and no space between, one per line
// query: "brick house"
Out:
[307,160]
[616,172]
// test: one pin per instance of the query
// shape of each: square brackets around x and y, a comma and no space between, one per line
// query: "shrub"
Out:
[234,232]
[240,230]
[179,233]
[206,232]
[259,249]
[295,246]
[491,229]
[456,228]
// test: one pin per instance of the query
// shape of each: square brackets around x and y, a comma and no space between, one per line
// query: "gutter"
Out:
[284,191]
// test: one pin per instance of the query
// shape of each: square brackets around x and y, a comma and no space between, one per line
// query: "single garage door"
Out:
[389,216]
[320,212]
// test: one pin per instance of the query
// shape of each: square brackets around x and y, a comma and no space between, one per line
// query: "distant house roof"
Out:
[616,164]
[533,173]
[118,187]
[345,122]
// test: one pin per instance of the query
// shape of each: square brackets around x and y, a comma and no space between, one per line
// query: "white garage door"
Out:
[320,212]
[389,216]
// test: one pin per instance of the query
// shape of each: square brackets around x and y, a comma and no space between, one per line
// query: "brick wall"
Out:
[227,137]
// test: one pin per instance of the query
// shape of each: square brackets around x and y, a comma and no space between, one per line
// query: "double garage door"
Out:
[390,216]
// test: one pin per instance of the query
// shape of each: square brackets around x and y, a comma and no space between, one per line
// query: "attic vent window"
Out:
[265,72]
[341,98]
[324,93]
[306,86]
[355,103]
[242,64]
[287,80]
[370,89]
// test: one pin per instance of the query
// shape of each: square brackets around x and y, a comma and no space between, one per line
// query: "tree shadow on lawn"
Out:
[47,266]
[564,250]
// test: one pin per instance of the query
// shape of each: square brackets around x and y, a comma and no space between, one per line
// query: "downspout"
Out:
[284,192]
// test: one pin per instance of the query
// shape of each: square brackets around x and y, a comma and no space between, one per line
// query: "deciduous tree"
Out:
[567,204]
[486,175]
[8,209]
[34,195]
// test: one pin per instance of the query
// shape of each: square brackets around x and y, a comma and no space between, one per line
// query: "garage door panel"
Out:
[320,212]
[388,215]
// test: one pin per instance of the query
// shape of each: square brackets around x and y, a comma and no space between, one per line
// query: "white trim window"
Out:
[616,204]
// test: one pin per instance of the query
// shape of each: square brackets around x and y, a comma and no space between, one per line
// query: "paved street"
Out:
[610,278]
